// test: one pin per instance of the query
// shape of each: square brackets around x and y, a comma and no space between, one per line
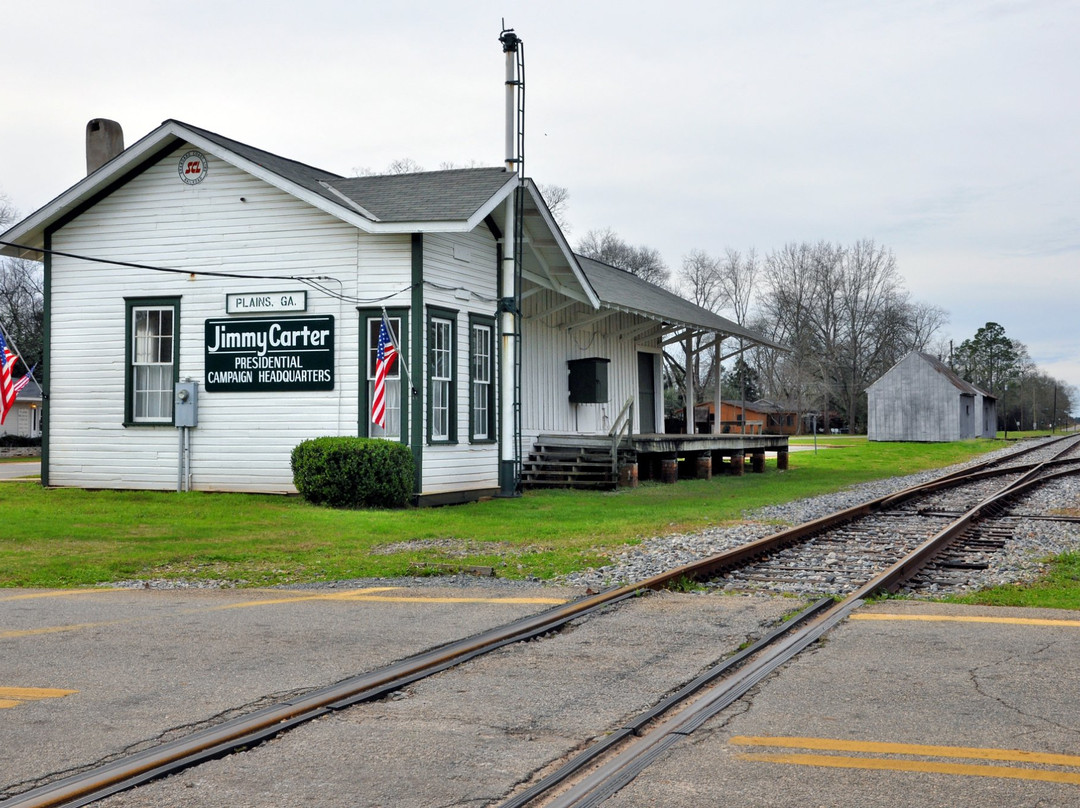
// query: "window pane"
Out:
[152,363]
[392,397]
[440,349]
[481,380]
[373,345]
[440,410]
[480,410]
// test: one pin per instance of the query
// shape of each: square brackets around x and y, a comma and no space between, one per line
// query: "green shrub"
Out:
[353,472]
[7,441]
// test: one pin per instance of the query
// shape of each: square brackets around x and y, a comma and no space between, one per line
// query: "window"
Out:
[153,352]
[481,371]
[442,409]
[392,387]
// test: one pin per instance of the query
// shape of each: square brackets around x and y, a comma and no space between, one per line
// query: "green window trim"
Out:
[408,390]
[442,375]
[135,378]
[482,392]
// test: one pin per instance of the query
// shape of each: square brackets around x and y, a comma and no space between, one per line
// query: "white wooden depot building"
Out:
[260,281]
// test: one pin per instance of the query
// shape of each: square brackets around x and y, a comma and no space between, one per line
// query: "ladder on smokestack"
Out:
[515,161]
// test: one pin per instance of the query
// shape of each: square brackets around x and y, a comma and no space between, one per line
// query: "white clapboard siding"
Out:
[233,223]
[548,343]
[460,274]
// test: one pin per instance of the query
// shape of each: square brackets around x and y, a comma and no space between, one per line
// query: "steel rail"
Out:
[101,781]
[637,724]
[612,775]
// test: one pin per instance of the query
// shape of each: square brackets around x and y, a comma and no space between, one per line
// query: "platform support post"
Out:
[738,461]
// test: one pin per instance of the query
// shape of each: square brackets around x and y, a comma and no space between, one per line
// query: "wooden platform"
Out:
[585,461]
[664,443]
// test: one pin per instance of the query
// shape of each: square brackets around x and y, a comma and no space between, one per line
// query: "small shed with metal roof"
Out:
[922,399]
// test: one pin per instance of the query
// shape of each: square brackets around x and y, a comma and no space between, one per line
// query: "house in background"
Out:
[780,419]
[24,420]
[258,285]
[923,399]
[735,416]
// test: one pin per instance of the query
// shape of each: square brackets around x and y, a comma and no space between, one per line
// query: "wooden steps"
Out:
[558,463]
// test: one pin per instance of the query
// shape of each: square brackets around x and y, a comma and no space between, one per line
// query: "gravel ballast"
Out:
[1023,560]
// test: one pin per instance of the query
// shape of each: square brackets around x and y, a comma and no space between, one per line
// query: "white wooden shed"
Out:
[261,280]
[922,399]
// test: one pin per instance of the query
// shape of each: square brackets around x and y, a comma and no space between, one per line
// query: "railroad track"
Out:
[896,538]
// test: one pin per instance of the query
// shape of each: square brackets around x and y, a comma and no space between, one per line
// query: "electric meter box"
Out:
[186,404]
[588,380]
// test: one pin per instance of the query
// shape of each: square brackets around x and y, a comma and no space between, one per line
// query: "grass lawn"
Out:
[1060,589]
[71,537]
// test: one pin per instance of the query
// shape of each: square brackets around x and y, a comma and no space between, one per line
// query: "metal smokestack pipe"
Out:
[510,47]
[508,303]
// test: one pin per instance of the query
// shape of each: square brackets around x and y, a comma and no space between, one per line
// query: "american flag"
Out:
[25,380]
[384,358]
[7,389]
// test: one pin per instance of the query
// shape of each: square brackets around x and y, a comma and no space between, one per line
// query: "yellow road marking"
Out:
[922,750]
[303,598]
[33,693]
[925,750]
[14,696]
[883,764]
[370,595]
[351,596]
[32,632]
[406,599]
[934,618]
[58,593]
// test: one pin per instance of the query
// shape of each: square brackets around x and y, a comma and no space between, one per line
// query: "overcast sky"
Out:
[947,131]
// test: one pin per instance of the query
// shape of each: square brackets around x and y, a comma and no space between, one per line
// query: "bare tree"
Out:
[699,281]
[606,246]
[872,307]
[925,321]
[22,307]
[22,300]
[7,210]
[738,282]
[403,165]
[738,278]
[557,198]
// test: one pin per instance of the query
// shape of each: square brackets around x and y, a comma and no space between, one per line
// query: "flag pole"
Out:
[18,353]
[397,347]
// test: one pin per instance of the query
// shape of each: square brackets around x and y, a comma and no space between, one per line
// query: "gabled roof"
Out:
[624,291]
[965,387]
[434,196]
[407,203]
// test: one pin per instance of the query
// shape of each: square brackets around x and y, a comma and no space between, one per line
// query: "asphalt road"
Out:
[906,704]
[17,469]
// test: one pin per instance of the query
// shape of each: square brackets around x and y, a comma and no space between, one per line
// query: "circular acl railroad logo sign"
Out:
[192,167]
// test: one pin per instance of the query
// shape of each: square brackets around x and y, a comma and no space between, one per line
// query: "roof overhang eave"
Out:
[564,247]
[712,329]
